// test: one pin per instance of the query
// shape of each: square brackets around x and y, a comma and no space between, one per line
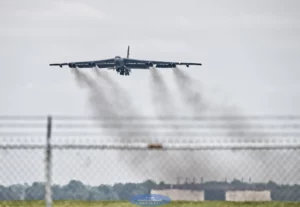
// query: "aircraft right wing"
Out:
[135,63]
[107,63]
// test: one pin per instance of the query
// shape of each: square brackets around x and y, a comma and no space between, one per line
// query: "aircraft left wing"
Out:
[87,64]
[159,64]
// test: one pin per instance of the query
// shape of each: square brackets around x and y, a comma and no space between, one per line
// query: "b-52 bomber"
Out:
[123,66]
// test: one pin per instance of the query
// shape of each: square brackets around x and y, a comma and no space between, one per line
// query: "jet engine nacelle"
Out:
[173,65]
[92,64]
[71,65]
[149,64]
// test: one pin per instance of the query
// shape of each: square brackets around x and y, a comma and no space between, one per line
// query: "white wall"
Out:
[183,195]
[248,195]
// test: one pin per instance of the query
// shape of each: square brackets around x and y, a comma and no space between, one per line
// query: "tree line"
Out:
[76,190]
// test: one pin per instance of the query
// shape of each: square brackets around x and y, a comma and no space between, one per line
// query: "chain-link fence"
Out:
[185,158]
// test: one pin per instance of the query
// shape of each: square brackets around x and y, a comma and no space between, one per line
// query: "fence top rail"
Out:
[150,125]
[211,117]
[166,147]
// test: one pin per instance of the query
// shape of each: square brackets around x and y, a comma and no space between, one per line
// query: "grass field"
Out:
[128,204]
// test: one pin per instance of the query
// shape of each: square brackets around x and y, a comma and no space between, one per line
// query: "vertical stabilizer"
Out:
[128,51]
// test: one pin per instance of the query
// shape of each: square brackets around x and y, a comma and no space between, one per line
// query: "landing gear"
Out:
[123,71]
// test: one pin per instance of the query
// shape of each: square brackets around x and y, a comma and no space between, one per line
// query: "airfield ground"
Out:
[127,204]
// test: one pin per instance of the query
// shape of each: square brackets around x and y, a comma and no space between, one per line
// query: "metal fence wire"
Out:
[250,158]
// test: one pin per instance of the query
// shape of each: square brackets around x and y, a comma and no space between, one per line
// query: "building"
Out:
[181,195]
[215,191]
[248,195]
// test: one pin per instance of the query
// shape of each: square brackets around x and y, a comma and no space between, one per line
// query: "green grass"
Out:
[128,204]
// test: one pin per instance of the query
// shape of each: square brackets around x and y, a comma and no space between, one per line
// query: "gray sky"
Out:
[250,52]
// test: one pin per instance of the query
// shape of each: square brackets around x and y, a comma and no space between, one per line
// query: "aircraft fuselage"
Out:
[120,66]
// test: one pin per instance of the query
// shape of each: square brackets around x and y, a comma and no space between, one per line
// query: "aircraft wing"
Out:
[135,63]
[88,64]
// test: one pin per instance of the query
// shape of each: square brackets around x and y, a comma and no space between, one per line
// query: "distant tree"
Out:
[104,188]
[96,194]
[57,193]
[17,191]
[75,190]
[161,183]
[272,185]
[118,188]
[149,184]
[35,192]
[8,193]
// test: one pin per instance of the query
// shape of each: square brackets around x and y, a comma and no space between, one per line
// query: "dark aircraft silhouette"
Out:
[123,65]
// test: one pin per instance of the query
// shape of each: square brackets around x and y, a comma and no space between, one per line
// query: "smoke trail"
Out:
[120,96]
[190,92]
[98,96]
[170,163]
[234,129]
[191,97]
[161,95]
[112,100]
[108,99]
[163,161]
[100,100]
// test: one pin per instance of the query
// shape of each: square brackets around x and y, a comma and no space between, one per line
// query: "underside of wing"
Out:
[88,64]
[146,64]
[158,64]
[147,61]
[137,65]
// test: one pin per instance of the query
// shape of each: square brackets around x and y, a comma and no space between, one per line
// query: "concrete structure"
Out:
[248,195]
[181,195]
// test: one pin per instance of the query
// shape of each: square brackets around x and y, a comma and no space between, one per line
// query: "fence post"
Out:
[48,193]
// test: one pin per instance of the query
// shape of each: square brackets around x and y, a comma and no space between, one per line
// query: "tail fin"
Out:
[128,51]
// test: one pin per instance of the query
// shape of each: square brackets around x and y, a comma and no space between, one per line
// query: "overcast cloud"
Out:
[249,50]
